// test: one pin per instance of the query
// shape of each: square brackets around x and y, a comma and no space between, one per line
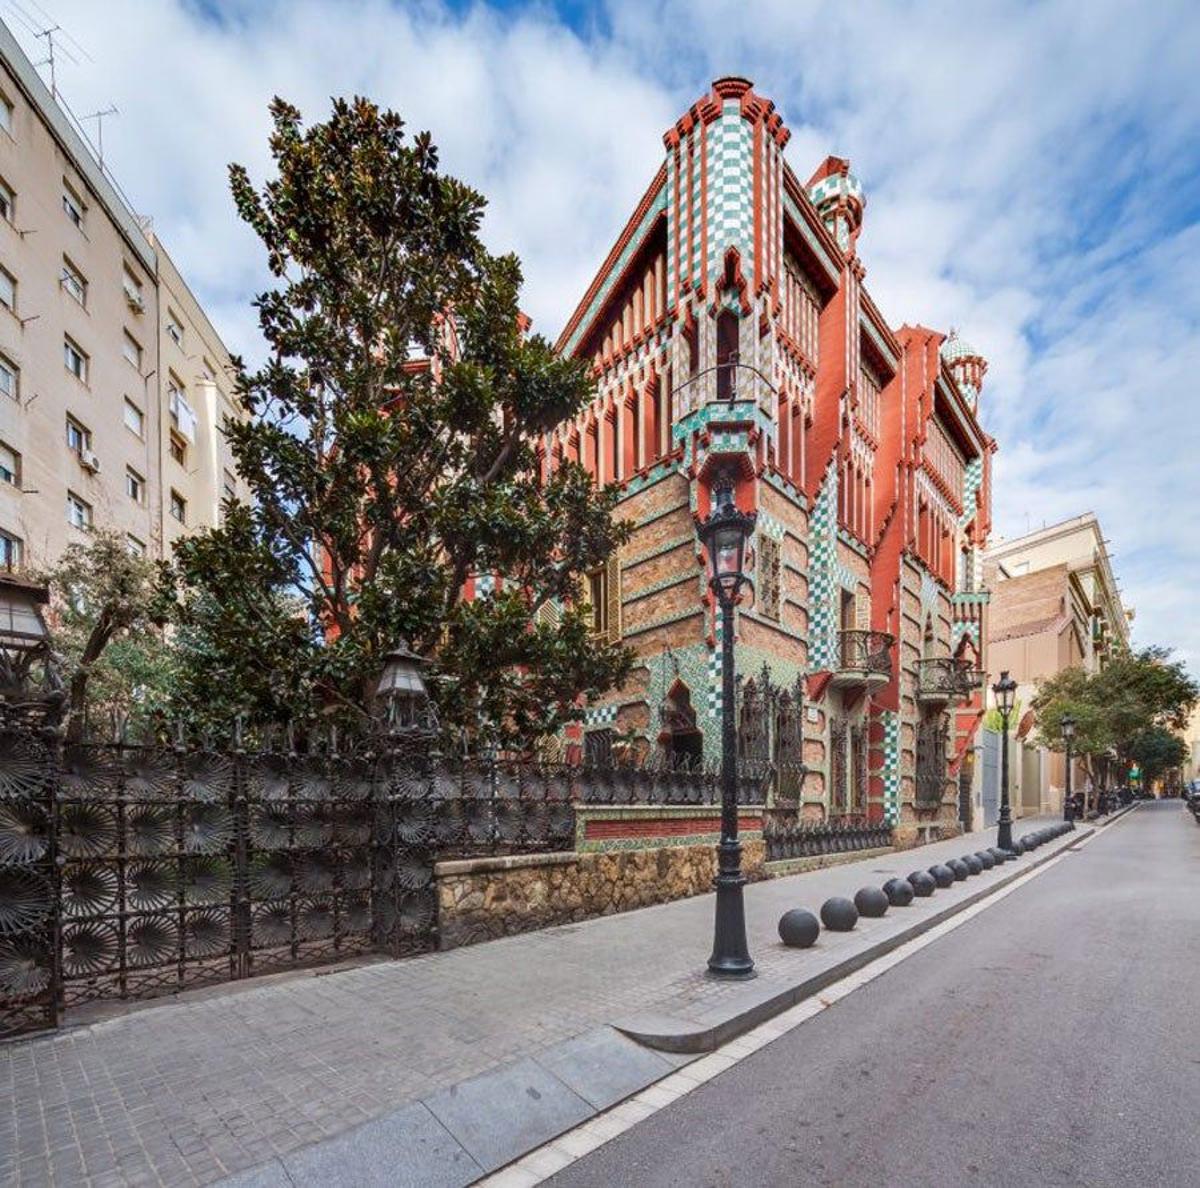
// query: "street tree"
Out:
[390,446]
[105,614]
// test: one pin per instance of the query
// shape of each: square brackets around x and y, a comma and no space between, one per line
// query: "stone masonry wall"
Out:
[483,898]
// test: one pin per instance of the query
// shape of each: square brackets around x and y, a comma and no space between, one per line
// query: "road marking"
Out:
[534,1167]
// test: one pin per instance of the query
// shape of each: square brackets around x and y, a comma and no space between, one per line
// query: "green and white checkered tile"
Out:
[600,715]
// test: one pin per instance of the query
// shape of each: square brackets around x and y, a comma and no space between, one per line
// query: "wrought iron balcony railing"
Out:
[866,651]
[944,677]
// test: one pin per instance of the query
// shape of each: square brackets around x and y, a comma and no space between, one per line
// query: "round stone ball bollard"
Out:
[921,881]
[799,928]
[959,869]
[942,875]
[972,864]
[899,892]
[838,914]
[986,860]
[1000,855]
[871,902]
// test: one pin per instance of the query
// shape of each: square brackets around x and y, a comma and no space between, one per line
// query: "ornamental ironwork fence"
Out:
[811,841]
[771,734]
[131,870]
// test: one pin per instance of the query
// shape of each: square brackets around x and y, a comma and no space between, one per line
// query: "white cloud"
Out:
[1032,175]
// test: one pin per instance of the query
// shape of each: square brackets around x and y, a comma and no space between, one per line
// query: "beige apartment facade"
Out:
[113,383]
[1055,605]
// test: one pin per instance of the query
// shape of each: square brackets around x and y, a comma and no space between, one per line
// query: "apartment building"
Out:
[113,383]
[731,335]
[1055,605]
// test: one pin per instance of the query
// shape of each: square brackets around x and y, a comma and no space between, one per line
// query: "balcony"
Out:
[945,679]
[864,660]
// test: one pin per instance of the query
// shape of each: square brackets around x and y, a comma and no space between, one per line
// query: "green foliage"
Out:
[1156,751]
[390,451]
[105,615]
[993,720]
[1131,706]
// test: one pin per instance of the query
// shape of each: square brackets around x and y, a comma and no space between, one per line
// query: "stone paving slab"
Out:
[194,1089]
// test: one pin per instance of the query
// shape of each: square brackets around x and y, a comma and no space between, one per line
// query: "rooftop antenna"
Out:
[98,116]
[48,34]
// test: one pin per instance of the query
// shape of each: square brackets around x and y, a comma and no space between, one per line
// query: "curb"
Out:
[694,1037]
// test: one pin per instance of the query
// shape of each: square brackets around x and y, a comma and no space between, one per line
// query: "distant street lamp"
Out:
[1067,726]
[1004,689]
[724,535]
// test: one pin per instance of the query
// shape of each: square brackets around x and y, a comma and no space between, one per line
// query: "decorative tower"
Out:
[967,366]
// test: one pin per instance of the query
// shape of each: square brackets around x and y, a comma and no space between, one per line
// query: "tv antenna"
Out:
[98,116]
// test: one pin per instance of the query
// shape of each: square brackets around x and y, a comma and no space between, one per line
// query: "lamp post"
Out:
[1068,732]
[24,647]
[724,535]
[1004,689]
[401,690]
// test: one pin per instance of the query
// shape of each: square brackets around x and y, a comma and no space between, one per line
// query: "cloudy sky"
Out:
[1032,174]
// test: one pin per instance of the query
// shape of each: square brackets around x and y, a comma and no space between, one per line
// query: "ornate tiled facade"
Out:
[730,331]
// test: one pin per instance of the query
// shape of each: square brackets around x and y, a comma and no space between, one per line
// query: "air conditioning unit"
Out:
[90,461]
[134,301]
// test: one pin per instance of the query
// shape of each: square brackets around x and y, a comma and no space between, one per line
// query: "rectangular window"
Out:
[79,511]
[133,291]
[178,448]
[6,113]
[10,550]
[73,206]
[9,379]
[132,350]
[208,370]
[10,465]
[8,201]
[135,547]
[75,361]
[74,282]
[175,328]
[8,289]
[135,485]
[178,507]
[135,419]
[79,437]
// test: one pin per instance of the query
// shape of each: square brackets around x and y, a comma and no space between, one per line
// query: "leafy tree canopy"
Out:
[105,611]
[390,449]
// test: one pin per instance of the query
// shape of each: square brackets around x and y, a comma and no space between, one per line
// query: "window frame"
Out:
[140,431]
[12,551]
[11,306]
[71,347]
[77,501]
[73,202]
[127,341]
[135,486]
[14,479]
[175,441]
[84,433]
[7,365]
[177,499]
[8,198]
[71,279]
[174,322]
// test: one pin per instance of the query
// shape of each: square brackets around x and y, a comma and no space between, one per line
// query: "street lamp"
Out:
[724,535]
[24,642]
[1067,725]
[403,693]
[1004,689]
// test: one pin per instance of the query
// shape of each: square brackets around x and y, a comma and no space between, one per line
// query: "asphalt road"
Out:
[1053,1039]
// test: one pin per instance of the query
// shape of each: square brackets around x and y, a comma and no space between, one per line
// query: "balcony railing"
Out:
[943,678]
[864,658]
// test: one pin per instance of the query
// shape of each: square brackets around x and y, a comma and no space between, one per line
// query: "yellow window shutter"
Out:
[612,593]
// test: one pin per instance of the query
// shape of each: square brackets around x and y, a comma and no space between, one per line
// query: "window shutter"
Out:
[612,593]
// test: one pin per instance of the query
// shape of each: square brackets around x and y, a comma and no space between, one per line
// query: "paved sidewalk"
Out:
[189,1090]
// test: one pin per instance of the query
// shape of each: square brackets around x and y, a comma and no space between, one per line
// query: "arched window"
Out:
[727,354]
[680,738]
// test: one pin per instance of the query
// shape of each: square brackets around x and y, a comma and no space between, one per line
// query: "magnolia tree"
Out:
[389,445]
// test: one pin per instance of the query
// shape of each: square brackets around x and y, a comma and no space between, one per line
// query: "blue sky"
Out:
[1032,174]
